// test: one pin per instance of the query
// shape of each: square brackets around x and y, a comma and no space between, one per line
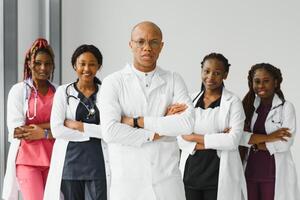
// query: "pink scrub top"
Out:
[37,152]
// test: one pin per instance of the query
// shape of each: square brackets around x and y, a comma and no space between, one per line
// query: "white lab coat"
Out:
[231,182]
[280,116]
[143,169]
[16,116]
[63,135]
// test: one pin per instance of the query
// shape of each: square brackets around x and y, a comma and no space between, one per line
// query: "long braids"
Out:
[250,96]
[39,45]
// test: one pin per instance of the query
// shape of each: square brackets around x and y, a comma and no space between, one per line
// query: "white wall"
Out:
[245,32]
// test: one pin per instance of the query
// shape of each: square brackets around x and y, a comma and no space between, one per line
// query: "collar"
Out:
[128,70]
[143,74]
[226,95]
[275,102]
[29,82]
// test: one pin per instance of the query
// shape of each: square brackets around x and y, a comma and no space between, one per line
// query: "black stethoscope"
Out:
[278,122]
[91,111]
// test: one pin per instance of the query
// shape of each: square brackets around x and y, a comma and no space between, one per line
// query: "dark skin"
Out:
[264,86]
[41,68]
[213,73]
[86,67]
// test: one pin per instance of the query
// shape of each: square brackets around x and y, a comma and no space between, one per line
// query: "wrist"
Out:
[46,133]
[136,122]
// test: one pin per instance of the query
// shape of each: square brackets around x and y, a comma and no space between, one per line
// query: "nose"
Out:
[147,46]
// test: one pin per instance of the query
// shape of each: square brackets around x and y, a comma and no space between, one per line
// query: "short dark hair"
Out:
[218,57]
[87,48]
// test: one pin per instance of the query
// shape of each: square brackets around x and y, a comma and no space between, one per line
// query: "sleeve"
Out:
[186,146]
[245,139]
[58,116]
[92,130]
[174,125]
[15,109]
[112,129]
[231,140]
[288,121]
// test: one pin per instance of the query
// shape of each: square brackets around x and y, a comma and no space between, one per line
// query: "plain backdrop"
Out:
[246,32]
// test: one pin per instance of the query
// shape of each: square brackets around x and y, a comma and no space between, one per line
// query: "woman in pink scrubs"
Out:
[28,120]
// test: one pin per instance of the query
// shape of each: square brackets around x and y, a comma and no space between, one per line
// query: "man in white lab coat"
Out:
[143,151]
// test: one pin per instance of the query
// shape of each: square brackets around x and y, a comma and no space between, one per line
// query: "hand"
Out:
[194,138]
[226,130]
[127,120]
[156,137]
[19,132]
[189,138]
[279,135]
[176,108]
[199,146]
[33,132]
[72,124]
[262,146]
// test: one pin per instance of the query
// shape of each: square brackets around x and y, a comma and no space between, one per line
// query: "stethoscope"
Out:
[29,88]
[277,122]
[91,111]
[27,96]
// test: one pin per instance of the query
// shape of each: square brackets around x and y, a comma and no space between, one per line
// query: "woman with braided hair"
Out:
[29,106]
[270,128]
[210,162]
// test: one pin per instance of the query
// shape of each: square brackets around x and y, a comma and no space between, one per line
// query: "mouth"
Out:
[86,75]
[43,74]
[147,57]
[261,92]
[210,83]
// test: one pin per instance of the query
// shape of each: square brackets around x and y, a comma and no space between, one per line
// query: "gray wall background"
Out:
[246,32]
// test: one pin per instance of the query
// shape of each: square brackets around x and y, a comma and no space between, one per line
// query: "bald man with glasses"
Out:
[140,127]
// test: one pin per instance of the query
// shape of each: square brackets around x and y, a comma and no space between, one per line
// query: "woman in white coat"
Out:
[210,162]
[79,166]
[270,130]
[28,119]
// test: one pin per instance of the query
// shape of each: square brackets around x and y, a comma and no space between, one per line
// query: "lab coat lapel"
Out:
[157,80]
[132,80]
[73,103]
[276,102]
[224,109]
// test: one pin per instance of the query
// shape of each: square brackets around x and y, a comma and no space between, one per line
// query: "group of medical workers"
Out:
[120,139]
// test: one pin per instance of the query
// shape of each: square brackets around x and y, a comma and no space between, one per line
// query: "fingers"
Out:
[176,109]
[227,130]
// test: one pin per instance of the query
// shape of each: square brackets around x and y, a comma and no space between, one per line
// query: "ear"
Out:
[130,44]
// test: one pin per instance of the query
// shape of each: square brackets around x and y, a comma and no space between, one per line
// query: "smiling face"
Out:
[86,67]
[264,84]
[41,66]
[146,44]
[213,73]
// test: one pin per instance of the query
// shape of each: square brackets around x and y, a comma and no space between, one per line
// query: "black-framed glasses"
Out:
[154,44]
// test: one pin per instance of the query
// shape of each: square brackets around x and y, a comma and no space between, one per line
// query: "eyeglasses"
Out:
[154,44]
